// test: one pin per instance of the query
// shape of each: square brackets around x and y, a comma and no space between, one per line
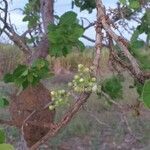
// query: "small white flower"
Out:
[94,89]
[52,93]
[51,107]
[80,66]
[76,77]
[86,70]
[93,79]
[81,80]
[69,84]
[62,91]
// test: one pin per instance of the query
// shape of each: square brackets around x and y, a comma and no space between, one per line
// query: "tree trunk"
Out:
[47,9]
[37,96]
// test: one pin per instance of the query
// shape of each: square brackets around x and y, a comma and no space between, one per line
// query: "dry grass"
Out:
[10,57]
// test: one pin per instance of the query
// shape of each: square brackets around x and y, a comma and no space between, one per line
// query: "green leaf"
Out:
[2,136]
[88,5]
[113,87]
[123,2]
[25,73]
[25,84]
[134,4]
[6,147]
[68,17]
[8,78]
[137,44]
[40,63]
[19,70]
[146,93]
[80,45]
[3,102]
[65,35]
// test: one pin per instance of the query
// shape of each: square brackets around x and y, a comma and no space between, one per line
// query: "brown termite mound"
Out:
[22,106]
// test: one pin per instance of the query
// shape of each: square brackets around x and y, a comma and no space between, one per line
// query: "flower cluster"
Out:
[59,98]
[83,81]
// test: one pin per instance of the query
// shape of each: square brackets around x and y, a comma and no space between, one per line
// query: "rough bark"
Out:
[47,9]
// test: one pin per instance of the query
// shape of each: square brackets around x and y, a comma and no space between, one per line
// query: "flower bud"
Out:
[70,84]
[51,107]
[52,93]
[81,80]
[62,91]
[76,77]
[94,89]
[80,66]
[86,70]
[93,79]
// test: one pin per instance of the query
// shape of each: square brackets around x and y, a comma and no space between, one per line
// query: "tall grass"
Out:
[71,61]
[10,57]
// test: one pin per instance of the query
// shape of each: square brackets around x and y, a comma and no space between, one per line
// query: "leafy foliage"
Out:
[137,44]
[3,145]
[139,87]
[113,87]
[146,93]
[65,34]
[142,56]
[3,102]
[2,136]
[133,4]
[23,76]
[88,5]
[31,12]
[144,27]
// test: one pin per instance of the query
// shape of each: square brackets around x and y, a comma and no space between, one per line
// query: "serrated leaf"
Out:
[19,70]
[146,93]
[25,73]
[64,36]
[68,17]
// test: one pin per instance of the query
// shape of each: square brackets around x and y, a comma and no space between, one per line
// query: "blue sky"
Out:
[61,6]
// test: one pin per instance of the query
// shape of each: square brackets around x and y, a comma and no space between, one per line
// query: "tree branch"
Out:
[88,38]
[5,10]
[64,121]
[106,23]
